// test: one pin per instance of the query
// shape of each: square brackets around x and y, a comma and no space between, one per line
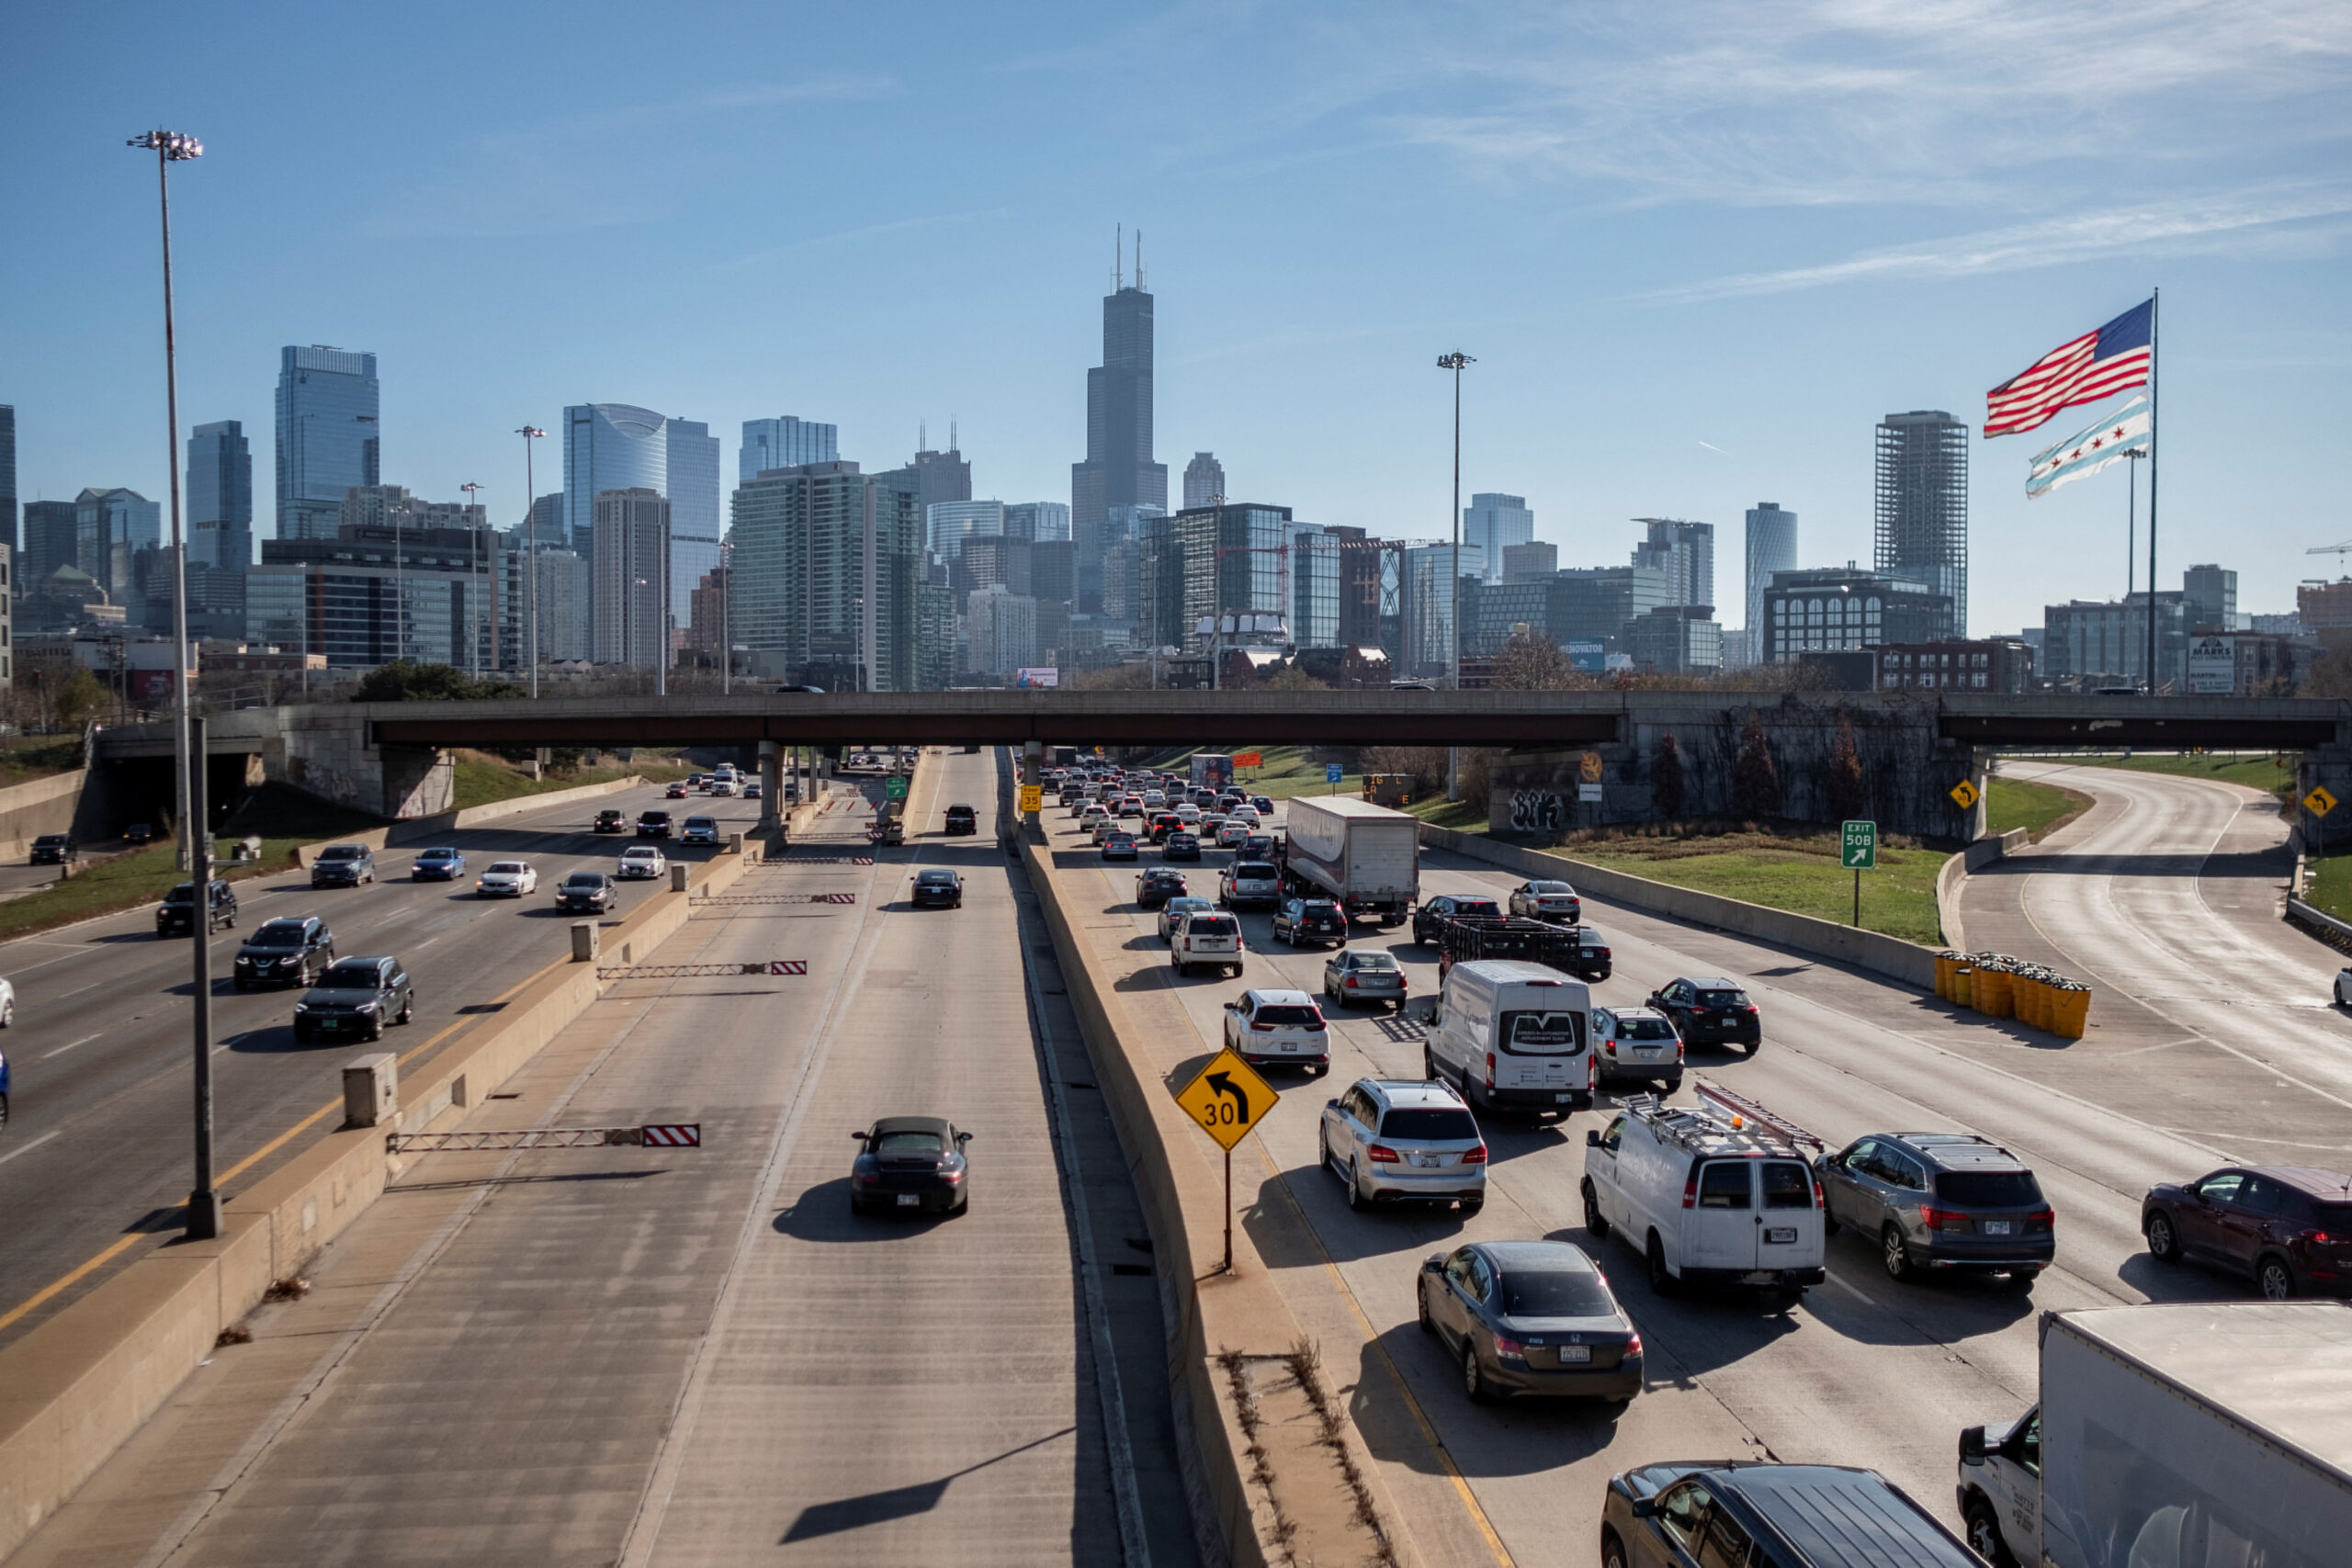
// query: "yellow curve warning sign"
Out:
[1227,1099]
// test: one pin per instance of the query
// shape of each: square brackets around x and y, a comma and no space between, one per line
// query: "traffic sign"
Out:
[1332,773]
[1589,767]
[1858,846]
[1247,760]
[1967,793]
[1032,799]
[895,787]
[2319,803]
[1228,1099]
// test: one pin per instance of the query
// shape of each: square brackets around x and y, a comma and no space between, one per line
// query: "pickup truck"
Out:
[1463,937]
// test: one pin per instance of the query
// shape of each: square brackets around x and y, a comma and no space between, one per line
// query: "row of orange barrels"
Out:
[2001,987]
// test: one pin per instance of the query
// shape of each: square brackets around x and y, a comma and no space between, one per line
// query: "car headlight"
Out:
[365,1008]
[290,960]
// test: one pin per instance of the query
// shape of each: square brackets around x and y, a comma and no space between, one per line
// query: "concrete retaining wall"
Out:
[1881,954]
[1956,870]
[44,805]
[422,829]
[76,1386]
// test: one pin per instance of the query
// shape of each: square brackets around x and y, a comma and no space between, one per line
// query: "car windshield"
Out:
[1989,1188]
[907,1144]
[1372,961]
[51,838]
[350,976]
[1543,1033]
[1429,1127]
[584,879]
[1477,906]
[1644,1029]
[1188,906]
[507,868]
[702,821]
[1723,998]
[341,851]
[1555,1295]
[439,855]
[184,894]
[1287,1017]
[276,935]
[937,878]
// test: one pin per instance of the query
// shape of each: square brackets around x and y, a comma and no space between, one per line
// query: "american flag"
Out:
[2097,365]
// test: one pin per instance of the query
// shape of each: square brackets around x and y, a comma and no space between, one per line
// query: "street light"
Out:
[726,636]
[204,1199]
[529,434]
[473,563]
[1456,362]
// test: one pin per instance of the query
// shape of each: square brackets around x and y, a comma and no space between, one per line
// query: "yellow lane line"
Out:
[82,1270]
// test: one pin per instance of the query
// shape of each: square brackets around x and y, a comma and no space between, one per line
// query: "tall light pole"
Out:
[204,1199]
[726,634]
[1456,362]
[529,434]
[474,570]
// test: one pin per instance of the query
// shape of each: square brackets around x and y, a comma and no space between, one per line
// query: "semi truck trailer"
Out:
[1364,857]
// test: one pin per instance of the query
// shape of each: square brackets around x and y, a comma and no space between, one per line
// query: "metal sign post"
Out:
[1858,851]
[1226,1100]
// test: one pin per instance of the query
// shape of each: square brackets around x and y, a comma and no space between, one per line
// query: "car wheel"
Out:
[1753,1046]
[1356,1200]
[1421,1301]
[1474,1376]
[375,1028]
[7,1014]
[1662,1283]
[856,1208]
[1593,1219]
[1985,1533]
[2164,1243]
[1429,1066]
[408,1007]
[2275,1279]
[1894,1253]
[302,976]
[1612,1553]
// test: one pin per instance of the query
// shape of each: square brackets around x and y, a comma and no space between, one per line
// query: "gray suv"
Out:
[1941,1201]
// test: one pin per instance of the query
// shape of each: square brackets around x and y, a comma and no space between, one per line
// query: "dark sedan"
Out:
[1158,885]
[2287,1228]
[436,865]
[1711,1010]
[910,1165]
[936,890]
[286,952]
[1428,917]
[1318,921]
[652,824]
[355,998]
[612,819]
[176,915]
[1181,846]
[1530,1317]
[587,893]
[54,849]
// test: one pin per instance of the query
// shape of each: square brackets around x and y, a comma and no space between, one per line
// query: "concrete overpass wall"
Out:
[327,749]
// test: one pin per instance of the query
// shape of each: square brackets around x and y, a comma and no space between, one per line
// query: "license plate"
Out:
[330,1023]
[1565,1099]
[1783,1235]
[1427,1162]
[909,1200]
[1575,1354]
[1996,1227]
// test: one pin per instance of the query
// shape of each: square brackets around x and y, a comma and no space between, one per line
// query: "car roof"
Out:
[1835,1512]
[440,849]
[1539,1256]
[1710,982]
[911,1124]
[1283,999]
[2309,1179]
[297,922]
[1413,1092]
[1955,1149]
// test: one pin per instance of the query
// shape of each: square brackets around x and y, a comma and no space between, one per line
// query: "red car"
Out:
[2288,1228]
[675,792]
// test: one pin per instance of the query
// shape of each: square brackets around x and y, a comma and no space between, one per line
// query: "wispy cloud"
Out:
[853,235]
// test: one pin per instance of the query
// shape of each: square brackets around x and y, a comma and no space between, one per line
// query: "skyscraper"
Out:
[1922,533]
[693,512]
[948,524]
[221,496]
[823,580]
[51,531]
[327,430]
[1772,546]
[784,443]
[1118,470]
[1037,520]
[1203,480]
[2212,595]
[110,528]
[609,446]
[629,572]
[8,476]
[1494,522]
[1685,552]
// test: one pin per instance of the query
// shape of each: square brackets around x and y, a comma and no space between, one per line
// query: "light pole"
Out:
[204,1199]
[529,434]
[474,571]
[725,633]
[1456,362]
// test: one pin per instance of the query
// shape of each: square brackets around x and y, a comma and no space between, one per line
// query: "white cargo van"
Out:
[1514,1036]
[1717,1193]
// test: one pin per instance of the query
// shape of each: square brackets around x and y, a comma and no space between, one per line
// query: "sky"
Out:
[1697,251]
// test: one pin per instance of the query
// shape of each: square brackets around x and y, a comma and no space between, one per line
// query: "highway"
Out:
[1866,1370]
[97,1156]
[641,1355]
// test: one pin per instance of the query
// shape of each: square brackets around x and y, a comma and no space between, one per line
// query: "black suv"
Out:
[1318,921]
[610,820]
[344,866]
[1940,1202]
[285,951]
[586,893]
[961,820]
[652,824]
[175,916]
[1711,1010]
[1769,1515]
[54,849]
[355,999]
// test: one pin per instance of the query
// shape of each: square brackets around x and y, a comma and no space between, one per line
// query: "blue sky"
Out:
[1697,249]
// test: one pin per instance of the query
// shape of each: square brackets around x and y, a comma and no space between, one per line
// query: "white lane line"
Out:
[62,1049]
[26,1148]
[1839,1281]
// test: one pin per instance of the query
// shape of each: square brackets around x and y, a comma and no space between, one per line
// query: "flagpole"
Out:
[2155,301]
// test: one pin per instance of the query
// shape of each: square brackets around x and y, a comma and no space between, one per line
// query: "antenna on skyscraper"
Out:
[1138,258]
[922,435]
[951,434]
[1118,256]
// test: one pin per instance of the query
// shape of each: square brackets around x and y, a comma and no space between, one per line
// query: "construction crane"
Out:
[2338,551]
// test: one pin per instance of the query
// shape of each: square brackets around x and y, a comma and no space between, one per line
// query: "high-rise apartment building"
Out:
[1036,520]
[1203,481]
[1001,629]
[9,480]
[1494,522]
[1314,608]
[2212,595]
[707,626]
[826,564]
[110,528]
[1209,561]
[630,567]
[1772,546]
[1685,552]
[565,594]
[784,443]
[988,559]
[51,540]
[221,496]
[1118,470]
[1922,510]
[327,436]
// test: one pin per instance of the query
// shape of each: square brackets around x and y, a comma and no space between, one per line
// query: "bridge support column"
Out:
[771,788]
[1031,776]
[2328,768]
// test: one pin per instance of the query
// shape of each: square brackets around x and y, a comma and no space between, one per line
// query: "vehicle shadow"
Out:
[1699,1330]
[1403,1233]
[1517,1437]
[821,1213]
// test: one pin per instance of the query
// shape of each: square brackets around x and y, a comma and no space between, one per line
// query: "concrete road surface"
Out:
[1867,1370]
[642,1355]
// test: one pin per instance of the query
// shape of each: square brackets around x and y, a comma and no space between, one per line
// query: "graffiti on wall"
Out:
[1537,811]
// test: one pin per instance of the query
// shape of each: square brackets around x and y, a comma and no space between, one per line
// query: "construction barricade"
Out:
[2001,987]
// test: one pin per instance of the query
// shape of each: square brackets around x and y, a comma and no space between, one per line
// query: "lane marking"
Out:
[62,1049]
[65,1280]
[1840,1282]
[26,1147]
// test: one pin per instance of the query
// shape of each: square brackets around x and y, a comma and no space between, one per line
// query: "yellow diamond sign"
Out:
[1965,793]
[1227,1099]
[2319,803]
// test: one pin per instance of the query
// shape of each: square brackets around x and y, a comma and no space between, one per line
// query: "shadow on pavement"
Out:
[820,1519]
[1518,1436]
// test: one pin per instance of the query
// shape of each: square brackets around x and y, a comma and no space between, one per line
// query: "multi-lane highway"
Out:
[96,1158]
[1866,1370]
[698,1356]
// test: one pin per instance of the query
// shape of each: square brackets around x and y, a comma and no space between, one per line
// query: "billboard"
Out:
[1586,655]
[2213,666]
[1037,678]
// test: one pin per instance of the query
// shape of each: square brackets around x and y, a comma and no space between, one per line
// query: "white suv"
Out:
[1205,939]
[1265,1027]
[1393,1140]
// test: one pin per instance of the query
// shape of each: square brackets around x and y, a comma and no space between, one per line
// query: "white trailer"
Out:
[2190,1435]
[1366,857]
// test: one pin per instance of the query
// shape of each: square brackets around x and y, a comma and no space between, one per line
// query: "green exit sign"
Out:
[1858,846]
[895,787]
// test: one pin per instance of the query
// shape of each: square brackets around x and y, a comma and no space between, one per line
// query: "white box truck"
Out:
[2174,1435]
[1365,857]
[1211,770]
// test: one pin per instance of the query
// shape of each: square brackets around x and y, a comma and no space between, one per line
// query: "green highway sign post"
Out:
[1858,853]
[895,787]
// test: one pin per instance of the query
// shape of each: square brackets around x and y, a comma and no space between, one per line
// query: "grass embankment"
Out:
[2329,889]
[1798,872]
[40,757]
[2038,808]
[484,780]
[2270,772]
[286,818]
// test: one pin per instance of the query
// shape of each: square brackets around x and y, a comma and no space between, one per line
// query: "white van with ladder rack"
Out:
[1722,1192]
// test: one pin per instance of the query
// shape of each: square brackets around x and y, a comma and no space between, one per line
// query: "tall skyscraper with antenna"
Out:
[1118,470]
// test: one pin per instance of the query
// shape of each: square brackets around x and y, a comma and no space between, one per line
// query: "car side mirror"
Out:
[1433,1264]
[1644,1508]
[962,1137]
[859,1136]
[1592,1137]
[1972,1445]
[1330,1105]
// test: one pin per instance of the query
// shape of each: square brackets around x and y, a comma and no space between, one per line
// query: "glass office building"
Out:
[784,443]
[1037,520]
[1313,587]
[1494,522]
[617,447]
[221,496]
[327,427]
[368,600]
[110,528]
[693,513]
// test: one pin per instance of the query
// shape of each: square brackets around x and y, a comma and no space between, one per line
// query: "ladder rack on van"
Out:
[1725,1115]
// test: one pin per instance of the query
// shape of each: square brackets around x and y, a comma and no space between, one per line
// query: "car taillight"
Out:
[1610,1046]
[1942,1219]
[1690,1192]
[1490,1069]
[2047,1220]
[1699,1012]
[1350,982]
[1476,1156]
[1511,1350]
[1818,1201]
[1633,1346]
[1316,1027]
[1262,1028]
[951,1177]
[1382,1155]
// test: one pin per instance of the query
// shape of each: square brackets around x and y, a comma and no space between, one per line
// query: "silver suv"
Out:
[1250,882]
[1636,1045]
[1394,1140]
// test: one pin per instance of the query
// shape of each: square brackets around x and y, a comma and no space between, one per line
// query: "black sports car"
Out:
[910,1165]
